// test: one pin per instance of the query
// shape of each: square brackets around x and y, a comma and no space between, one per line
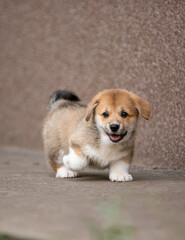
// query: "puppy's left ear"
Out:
[142,106]
[91,106]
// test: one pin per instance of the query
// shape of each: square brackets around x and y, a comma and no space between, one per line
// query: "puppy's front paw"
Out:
[117,177]
[63,172]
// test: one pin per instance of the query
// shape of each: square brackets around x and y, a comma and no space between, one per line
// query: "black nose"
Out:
[114,127]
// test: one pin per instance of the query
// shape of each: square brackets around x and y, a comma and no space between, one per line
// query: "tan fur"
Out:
[58,127]
[77,128]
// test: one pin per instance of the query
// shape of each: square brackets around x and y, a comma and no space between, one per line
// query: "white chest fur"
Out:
[105,154]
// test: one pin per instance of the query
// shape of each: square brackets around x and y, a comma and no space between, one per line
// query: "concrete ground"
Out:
[36,205]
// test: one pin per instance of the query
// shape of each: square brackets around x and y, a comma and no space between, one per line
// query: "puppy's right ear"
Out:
[91,106]
[142,106]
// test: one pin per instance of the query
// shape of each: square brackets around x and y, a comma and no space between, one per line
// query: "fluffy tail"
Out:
[63,94]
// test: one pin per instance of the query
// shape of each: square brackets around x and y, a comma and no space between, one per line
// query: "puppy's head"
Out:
[116,112]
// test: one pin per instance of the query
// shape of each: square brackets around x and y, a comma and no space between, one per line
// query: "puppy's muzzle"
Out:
[116,133]
[114,127]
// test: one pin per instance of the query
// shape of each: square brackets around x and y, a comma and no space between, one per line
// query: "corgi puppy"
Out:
[100,135]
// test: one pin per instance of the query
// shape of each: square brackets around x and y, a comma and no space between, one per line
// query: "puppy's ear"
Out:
[142,106]
[91,106]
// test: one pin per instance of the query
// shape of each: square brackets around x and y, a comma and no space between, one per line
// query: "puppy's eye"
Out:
[124,114]
[105,114]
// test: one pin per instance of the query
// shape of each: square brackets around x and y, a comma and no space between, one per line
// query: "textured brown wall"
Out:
[86,46]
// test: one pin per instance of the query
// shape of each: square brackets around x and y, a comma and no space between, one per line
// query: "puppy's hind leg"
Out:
[55,158]
[63,172]
[75,159]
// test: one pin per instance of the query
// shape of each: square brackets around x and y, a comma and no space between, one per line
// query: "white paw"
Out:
[66,161]
[63,172]
[115,177]
[72,161]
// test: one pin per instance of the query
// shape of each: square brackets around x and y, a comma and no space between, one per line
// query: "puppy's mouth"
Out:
[116,138]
